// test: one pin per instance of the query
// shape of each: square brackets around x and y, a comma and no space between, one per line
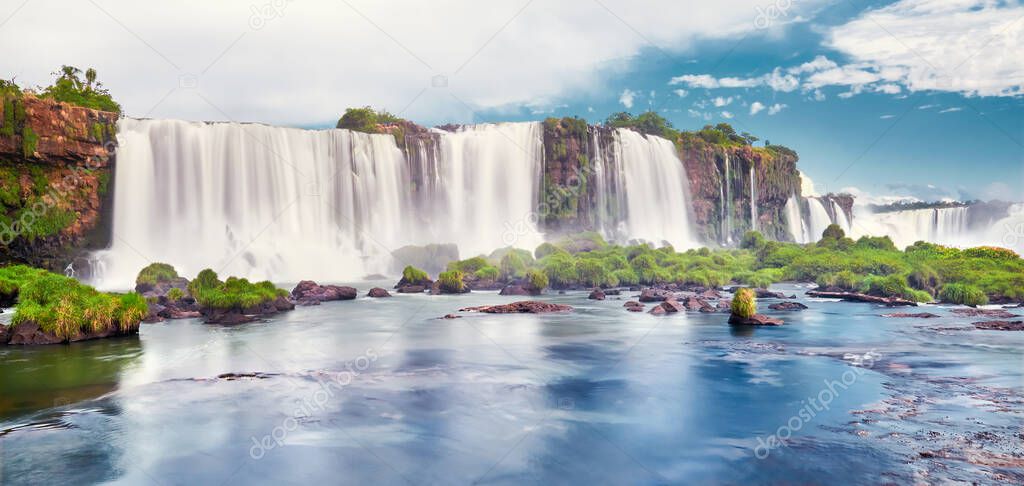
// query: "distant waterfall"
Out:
[607,185]
[753,199]
[819,218]
[287,204]
[798,230]
[656,188]
[727,202]
[840,217]
[947,226]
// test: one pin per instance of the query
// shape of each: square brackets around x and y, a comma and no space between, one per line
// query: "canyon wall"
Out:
[55,176]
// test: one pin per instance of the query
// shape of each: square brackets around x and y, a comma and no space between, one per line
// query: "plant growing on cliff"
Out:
[366,119]
[175,294]
[90,93]
[744,304]
[650,123]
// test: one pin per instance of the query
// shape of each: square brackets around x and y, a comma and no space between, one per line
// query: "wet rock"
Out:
[754,320]
[658,310]
[996,313]
[451,316]
[918,315]
[613,292]
[523,306]
[378,292]
[858,297]
[308,292]
[596,294]
[708,309]
[710,294]
[28,333]
[633,306]
[411,289]
[1000,325]
[154,309]
[787,306]
[654,295]
[768,294]
[695,304]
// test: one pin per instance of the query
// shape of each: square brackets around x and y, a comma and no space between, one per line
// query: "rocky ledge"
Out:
[787,306]
[996,313]
[241,316]
[1000,325]
[918,315]
[521,307]
[30,333]
[754,320]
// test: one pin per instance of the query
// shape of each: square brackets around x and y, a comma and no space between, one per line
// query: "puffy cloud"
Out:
[626,98]
[777,107]
[720,101]
[756,107]
[301,63]
[727,115]
[681,93]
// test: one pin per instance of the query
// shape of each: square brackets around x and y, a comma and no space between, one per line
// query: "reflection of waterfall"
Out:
[288,204]
[656,189]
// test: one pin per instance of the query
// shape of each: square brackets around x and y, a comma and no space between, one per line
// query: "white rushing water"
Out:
[727,218]
[753,199]
[288,204]
[819,218]
[657,190]
[947,226]
[798,230]
[840,217]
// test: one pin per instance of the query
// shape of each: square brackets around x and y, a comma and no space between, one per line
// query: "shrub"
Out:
[469,265]
[512,266]
[626,276]
[233,293]
[560,269]
[155,273]
[956,293]
[536,280]
[412,274]
[833,232]
[487,273]
[752,240]
[175,294]
[592,273]
[743,303]
[88,93]
[451,282]
[545,249]
[365,119]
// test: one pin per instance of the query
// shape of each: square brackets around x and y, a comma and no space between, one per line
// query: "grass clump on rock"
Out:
[744,304]
[450,282]
[233,293]
[963,294]
[412,274]
[65,308]
[536,280]
[155,273]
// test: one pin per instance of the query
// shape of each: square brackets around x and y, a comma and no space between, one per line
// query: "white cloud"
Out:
[886,117]
[727,115]
[951,110]
[307,63]
[756,107]
[970,47]
[626,98]
[777,107]
[927,107]
[819,95]
[720,101]
[681,93]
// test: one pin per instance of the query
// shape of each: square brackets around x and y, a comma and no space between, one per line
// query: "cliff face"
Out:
[719,175]
[55,169]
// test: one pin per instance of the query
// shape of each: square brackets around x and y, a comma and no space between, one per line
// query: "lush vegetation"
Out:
[64,307]
[744,303]
[412,274]
[452,281]
[872,265]
[155,273]
[80,89]
[233,293]
[366,119]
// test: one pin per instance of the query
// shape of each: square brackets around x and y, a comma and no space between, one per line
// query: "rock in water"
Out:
[919,315]
[1000,325]
[517,289]
[633,306]
[787,306]
[997,313]
[596,294]
[754,320]
[308,292]
[654,295]
[524,306]
[378,292]
[411,289]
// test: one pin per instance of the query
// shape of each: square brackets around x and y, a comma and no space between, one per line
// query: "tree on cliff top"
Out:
[70,88]
[649,123]
[365,119]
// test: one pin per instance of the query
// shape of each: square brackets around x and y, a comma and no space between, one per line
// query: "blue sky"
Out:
[921,98]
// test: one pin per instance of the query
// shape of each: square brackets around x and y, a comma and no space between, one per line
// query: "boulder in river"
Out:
[596,294]
[633,306]
[787,306]
[654,295]
[859,297]
[308,292]
[754,320]
[378,292]
[523,306]
[411,289]
[918,315]
[996,313]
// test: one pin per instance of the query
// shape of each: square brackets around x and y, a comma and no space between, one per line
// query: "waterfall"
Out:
[819,218]
[288,204]
[840,217]
[727,218]
[753,199]
[947,226]
[795,221]
[656,190]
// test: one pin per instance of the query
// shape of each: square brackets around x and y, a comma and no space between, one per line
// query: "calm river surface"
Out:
[381,391]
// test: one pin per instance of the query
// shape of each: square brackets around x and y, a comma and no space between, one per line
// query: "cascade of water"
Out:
[818,218]
[948,226]
[728,201]
[795,222]
[267,202]
[656,189]
[753,199]
[840,217]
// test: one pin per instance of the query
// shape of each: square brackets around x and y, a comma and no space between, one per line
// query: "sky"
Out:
[904,98]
